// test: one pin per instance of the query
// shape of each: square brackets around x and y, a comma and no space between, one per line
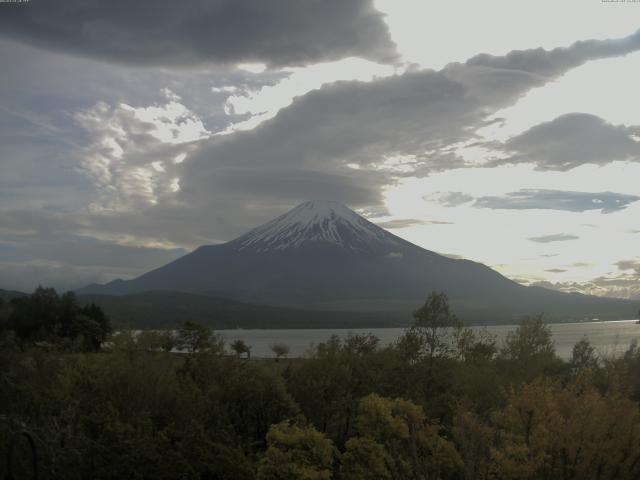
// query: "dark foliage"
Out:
[46,317]
[443,403]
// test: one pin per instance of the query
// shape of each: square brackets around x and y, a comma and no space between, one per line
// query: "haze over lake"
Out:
[609,338]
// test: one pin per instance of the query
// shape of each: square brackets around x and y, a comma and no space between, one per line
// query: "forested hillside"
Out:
[162,309]
[440,403]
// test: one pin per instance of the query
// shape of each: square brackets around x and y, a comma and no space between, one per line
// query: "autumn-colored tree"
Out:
[473,437]
[395,440]
[548,430]
[296,453]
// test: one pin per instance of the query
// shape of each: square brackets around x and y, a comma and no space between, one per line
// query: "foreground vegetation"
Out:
[440,403]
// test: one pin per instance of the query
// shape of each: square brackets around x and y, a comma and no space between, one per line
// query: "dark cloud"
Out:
[36,168]
[557,61]
[529,199]
[163,32]
[633,265]
[37,248]
[230,183]
[86,252]
[572,140]
[326,131]
[308,145]
[26,274]
[555,270]
[44,148]
[556,237]
[166,227]
[304,152]
[415,116]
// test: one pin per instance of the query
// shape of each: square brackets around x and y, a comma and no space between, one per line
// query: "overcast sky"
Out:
[504,132]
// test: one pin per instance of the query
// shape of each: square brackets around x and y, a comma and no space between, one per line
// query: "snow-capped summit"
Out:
[317,222]
[322,255]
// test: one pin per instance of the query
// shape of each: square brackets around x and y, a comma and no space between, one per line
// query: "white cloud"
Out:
[134,153]
[252,67]
[621,286]
[435,34]
[499,238]
[172,122]
[225,89]
[266,102]
[600,87]
[391,139]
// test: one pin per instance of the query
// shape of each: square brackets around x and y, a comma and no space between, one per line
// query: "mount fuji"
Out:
[323,256]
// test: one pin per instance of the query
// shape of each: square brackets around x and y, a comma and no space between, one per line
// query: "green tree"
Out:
[409,346]
[45,316]
[195,337]
[296,453]
[434,325]
[321,383]
[474,348]
[529,350]
[242,398]
[98,316]
[281,350]
[155,341]
[240,347]
[395,440]
[583,355]
[124,341]
[35,317]
[330,383]
[4,315]
[532,339]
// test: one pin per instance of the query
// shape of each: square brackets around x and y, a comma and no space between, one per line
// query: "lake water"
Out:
[609,338]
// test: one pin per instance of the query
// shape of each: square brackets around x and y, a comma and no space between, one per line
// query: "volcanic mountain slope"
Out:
[323,255]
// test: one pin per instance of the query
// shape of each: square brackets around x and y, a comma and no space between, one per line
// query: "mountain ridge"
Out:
[322,255]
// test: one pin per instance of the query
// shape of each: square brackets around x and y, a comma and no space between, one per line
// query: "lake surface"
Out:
[609,338]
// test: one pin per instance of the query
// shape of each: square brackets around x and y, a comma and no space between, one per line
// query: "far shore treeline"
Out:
[442,402]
